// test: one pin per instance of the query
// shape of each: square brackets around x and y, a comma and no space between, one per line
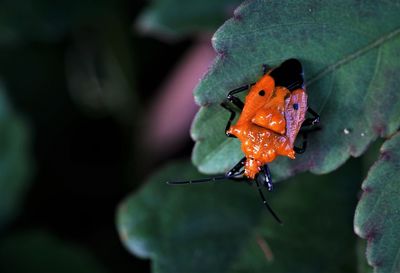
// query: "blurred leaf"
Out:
[45,20]
[15,161]
[377,217]
[317,234]
[188,229]
[37,251]
[350,58]
[177,17]
[363,266]
[99,72]
[370,156]
[215,227]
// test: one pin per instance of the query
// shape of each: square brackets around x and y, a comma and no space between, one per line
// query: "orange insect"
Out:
[271,117]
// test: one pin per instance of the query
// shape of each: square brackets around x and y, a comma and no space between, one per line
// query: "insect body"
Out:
[272,116]
[270,120]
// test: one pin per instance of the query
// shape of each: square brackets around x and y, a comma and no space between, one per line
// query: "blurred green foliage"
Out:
[15,160]
[68,107]
[218,227]
[38,251]
[48,21]
[187,229]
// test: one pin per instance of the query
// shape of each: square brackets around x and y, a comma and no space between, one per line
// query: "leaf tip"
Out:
[380,129]
[368,230]
[353,150]
[371,234]
[243,5]
[219,45]
[237,16]
[367,189]
[385,155]
[222,52]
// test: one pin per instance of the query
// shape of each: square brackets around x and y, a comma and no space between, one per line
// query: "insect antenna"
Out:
[197,181]
[266,203]
[235,176]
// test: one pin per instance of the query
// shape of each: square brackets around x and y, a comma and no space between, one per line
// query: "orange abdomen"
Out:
[260,146]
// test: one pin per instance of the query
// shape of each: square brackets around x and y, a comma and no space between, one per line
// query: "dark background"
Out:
[86,160]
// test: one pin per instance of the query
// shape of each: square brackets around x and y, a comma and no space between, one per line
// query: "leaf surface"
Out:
[377,217]
[217,227]
[350,60]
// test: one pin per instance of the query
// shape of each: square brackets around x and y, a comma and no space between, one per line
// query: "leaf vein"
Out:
[354,55]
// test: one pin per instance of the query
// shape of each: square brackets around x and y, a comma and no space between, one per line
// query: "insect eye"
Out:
[261,93]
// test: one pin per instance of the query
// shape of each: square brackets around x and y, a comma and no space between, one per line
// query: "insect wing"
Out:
[295,112]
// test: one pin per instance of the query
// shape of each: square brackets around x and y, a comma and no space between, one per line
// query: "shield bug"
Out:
[271,117]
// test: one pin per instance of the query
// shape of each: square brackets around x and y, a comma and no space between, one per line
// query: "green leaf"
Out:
[205,222]
[362,264]
[215,227]
[15,160]
[177,17]
[350,59]
[317,233]
[38,251]
[377,217]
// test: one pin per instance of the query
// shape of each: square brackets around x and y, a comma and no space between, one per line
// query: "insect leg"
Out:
[231,175]
[268,180]
[237,174]
[197,181]
[264,177]
[235,100]
[266,203]
[234,171]
[312,121]
[265,68]
[304,131]
[302,149]
[231,118]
